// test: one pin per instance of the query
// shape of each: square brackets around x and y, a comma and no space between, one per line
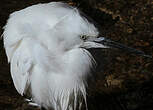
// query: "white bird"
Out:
[46,46]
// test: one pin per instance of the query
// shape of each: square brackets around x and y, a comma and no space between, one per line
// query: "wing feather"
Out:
[21,66]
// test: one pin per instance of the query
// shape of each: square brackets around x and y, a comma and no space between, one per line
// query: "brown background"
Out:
[125,81]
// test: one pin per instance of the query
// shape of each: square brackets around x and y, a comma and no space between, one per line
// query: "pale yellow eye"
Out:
[83,37]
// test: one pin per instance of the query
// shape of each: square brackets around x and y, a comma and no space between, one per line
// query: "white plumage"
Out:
[44,48]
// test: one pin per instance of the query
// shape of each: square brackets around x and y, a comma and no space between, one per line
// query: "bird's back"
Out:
[32,21]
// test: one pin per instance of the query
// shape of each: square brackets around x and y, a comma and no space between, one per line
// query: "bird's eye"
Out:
[83,37]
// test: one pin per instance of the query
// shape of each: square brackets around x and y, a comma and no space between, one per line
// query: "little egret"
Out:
[46,46]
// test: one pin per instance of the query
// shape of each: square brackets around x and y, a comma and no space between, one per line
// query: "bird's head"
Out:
[75,31]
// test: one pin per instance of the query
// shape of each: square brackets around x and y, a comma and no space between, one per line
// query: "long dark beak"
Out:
[112,44]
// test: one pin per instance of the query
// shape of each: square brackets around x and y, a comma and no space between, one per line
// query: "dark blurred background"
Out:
[122,81]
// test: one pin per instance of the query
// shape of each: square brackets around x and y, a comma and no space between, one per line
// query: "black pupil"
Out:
[83,37]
